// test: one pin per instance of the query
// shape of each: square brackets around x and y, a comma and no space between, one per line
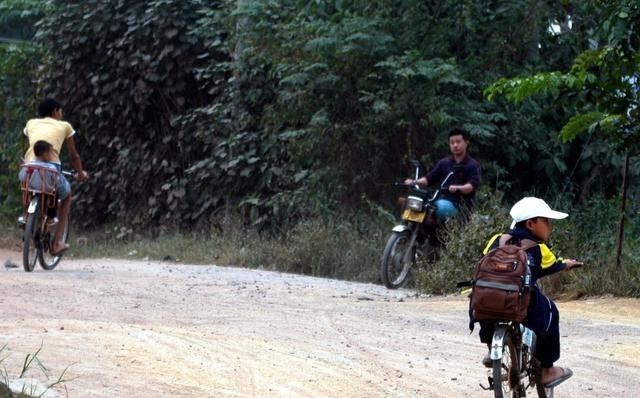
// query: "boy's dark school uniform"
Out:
[542,317]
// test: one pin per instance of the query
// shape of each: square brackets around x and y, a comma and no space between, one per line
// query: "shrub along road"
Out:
[159,329]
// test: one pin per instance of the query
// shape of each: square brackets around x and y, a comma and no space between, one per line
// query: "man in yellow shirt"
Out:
[51,128]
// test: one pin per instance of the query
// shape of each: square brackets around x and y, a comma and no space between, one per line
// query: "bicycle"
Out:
[39,206]
[514,369]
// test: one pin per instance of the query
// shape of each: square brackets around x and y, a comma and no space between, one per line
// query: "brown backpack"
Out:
[500,287]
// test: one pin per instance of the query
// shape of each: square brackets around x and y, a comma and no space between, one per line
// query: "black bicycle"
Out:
[39,208]
[514,369]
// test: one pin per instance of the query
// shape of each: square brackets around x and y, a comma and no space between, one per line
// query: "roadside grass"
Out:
[326,248]
[29,387]
[464,243]
[348,248]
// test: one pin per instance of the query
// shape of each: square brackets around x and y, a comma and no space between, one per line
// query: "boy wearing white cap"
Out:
[532,221]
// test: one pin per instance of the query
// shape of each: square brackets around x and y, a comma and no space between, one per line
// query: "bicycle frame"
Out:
[525,372]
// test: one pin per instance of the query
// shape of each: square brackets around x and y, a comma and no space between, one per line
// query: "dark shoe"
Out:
[566,373]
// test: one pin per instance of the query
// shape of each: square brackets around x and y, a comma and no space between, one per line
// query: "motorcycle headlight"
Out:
[414,203]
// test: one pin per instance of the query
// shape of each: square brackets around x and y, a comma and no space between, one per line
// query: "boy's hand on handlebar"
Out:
[572,263]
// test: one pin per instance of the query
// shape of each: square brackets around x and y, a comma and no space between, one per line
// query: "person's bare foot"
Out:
[59,248]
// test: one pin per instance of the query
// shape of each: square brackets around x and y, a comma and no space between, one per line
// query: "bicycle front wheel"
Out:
[506,375]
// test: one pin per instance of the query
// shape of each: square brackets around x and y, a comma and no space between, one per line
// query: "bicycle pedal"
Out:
[490,388]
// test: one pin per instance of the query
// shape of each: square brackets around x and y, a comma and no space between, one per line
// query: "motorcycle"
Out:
[413,237]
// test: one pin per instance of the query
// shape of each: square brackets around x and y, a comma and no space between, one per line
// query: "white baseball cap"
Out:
[531,207]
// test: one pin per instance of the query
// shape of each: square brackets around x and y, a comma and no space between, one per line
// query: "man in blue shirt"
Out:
[464,182]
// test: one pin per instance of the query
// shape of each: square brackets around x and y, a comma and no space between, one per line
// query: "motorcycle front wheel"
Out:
[394,272]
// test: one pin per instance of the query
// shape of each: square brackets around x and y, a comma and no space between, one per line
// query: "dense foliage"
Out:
[194,113]
[19,62]
[18,18]
[586,235]
[288,109]
[604,81]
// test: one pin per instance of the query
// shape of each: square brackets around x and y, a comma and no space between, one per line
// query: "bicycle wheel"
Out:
[31,241]
[47,261]
[506,375]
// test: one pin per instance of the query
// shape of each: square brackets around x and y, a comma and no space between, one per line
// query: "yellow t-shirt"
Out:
[47,129]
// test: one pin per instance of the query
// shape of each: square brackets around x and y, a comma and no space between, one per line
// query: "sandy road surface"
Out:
[152,329]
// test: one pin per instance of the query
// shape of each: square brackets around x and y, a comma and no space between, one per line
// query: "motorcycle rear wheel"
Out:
[393,273]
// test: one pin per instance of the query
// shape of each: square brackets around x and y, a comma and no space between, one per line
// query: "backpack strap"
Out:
[525,244]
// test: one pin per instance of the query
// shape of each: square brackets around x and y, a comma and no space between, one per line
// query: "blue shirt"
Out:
[471,173]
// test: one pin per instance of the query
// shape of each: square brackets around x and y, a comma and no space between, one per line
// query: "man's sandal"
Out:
[566,373]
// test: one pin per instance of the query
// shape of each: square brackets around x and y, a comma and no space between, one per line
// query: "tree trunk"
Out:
[623,203]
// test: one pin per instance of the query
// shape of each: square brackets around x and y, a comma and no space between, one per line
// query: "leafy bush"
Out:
[124,70]
[587,234]
[286,108]
[334,249]
[18,18]
[18,68]
[590,235]
[464,243]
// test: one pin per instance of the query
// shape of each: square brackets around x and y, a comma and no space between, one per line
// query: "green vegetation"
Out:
[29,390]
[586,234]
[19,61]
[334,249]
[296,116]
[291,110]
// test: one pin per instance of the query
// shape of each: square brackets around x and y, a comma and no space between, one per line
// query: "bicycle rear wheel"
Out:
[30,241]
[506,375]
[47,261]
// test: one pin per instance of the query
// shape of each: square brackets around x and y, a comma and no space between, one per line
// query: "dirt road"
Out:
[153,329]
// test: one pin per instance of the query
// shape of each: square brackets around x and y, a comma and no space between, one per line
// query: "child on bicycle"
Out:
[43,157]
[532,221]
